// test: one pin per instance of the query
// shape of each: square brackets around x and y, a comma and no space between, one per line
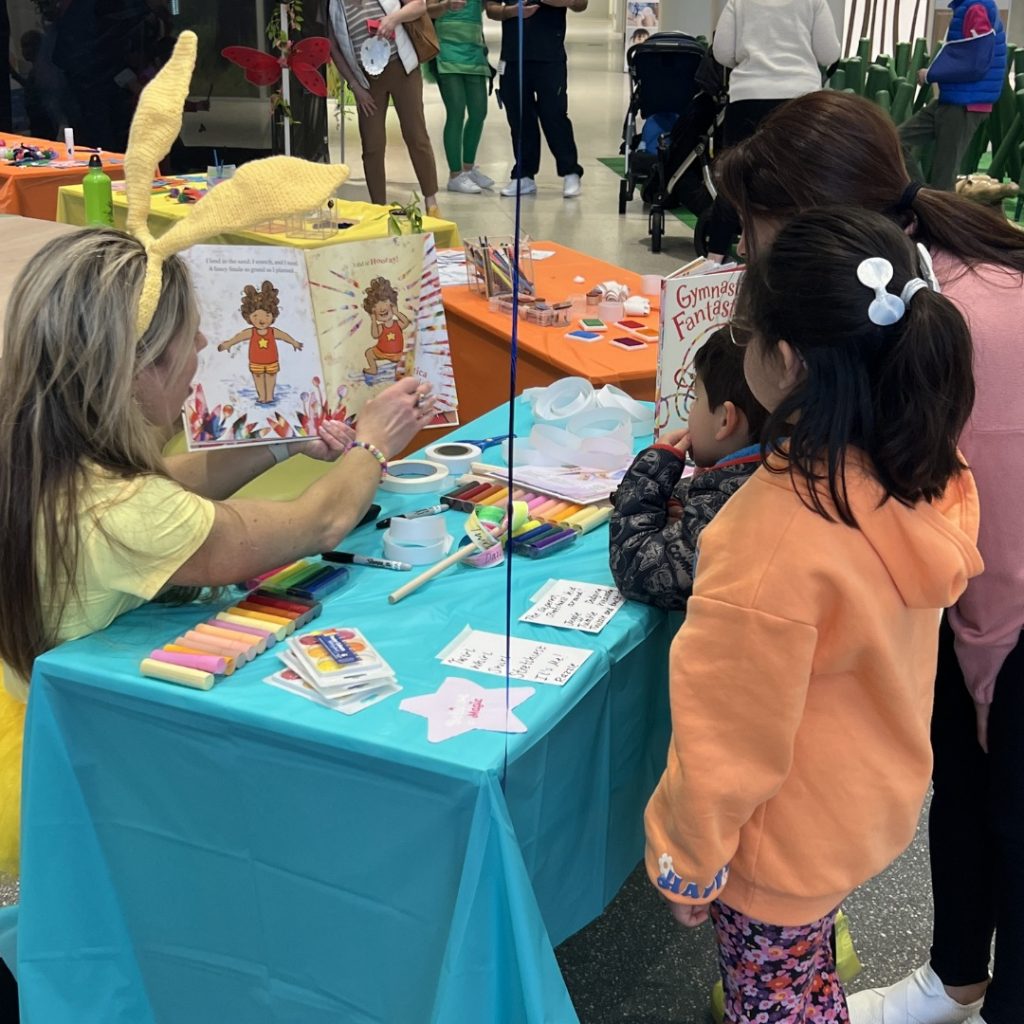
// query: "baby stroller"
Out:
[672,73]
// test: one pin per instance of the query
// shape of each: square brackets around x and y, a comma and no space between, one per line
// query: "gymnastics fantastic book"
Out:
[695,301]
[296,337]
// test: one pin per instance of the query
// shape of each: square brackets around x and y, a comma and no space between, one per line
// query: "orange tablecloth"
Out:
[481,340]
[32,191]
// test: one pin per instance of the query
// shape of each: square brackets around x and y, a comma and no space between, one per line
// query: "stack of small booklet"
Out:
[336,667]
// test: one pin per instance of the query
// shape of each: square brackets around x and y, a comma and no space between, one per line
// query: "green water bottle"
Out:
[99,200]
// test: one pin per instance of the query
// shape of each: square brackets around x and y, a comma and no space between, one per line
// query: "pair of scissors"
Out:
[486,442]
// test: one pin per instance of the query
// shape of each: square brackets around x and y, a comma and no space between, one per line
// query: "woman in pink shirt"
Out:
[834,148]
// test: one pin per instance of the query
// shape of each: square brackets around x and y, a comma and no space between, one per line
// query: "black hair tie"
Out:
[909,194]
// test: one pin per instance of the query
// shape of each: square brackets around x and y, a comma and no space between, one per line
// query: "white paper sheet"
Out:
[570,605]
[480,651]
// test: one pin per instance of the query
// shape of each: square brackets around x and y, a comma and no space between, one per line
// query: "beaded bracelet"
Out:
[374,451]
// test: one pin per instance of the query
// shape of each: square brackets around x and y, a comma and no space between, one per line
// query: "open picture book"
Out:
[695,301]
[298,337]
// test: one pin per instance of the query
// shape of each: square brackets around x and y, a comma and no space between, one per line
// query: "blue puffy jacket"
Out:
[970,70]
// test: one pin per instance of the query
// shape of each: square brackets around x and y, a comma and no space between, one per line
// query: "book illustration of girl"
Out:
[260,309]
[387,326]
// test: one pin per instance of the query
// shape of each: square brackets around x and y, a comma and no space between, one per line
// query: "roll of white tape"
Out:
[413,476]
[650,284]
[424,530]
[456,456]
[611,397]
[416,554]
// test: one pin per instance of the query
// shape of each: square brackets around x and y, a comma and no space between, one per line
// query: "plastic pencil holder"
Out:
[490,264]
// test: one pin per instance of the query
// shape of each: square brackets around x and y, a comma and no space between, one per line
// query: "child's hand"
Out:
[223,346]
[689,916]
[297,345]
[332,442]
[678,439]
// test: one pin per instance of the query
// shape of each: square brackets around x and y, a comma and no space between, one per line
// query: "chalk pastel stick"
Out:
[200,643]
[589,519]
[244,650]
[252,643]
[530,524]
[499,496]
[293,605]
[275,618]
[190,648]
[257,638]
[324,586]
[280,632]
[549,507]
[202,662]
[279,578]
[567,513]
[176,674]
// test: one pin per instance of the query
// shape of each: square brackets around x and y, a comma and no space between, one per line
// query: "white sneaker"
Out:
[480,178]
[571,186]
[519,187]
[917,999]
[464,183]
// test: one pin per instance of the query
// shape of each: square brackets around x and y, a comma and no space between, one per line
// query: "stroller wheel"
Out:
[623,196]
[656,227]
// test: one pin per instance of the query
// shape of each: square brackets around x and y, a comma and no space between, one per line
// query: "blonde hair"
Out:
[71,357]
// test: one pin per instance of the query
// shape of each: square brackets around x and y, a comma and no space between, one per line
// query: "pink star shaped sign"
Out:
[460,705]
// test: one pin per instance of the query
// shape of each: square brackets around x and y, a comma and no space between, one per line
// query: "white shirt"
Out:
[775,47]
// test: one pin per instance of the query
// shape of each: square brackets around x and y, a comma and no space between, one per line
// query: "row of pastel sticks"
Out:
[553,523]
[308,579]
[233,637]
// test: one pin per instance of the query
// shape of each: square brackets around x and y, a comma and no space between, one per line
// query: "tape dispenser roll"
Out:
[456,456]
[413,476]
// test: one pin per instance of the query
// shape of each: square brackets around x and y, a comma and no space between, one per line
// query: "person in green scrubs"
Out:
[462,74]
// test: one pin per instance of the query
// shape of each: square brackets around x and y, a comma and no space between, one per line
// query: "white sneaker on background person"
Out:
[917,999]
[571,186]
[519,186]
[480,178]
[464,183]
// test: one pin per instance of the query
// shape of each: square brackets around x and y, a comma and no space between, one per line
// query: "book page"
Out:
[260,375]
[379,317]
[693,307]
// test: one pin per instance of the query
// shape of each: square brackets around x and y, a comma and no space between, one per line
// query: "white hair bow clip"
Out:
[875,273]
[885,309]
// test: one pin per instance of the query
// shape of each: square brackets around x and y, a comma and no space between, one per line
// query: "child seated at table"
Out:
[659,514]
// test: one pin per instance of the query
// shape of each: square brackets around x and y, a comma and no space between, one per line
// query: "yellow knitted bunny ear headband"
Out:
[261,190]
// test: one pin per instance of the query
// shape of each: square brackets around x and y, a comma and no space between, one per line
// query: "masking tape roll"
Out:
[416,553]
[456,456]
[413,476]
[425,530]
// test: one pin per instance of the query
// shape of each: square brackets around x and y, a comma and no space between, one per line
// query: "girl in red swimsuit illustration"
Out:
[387,325]
[260,309]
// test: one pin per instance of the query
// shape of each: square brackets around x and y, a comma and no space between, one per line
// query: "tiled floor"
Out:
[634,965]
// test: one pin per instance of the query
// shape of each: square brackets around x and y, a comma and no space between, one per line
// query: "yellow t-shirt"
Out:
[135,534]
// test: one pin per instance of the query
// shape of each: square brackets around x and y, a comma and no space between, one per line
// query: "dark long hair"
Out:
[831,147]
[900,393]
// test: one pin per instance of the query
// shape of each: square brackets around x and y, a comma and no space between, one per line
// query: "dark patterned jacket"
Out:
[652,556]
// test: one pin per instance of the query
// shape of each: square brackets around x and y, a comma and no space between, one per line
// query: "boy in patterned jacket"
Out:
[659,514]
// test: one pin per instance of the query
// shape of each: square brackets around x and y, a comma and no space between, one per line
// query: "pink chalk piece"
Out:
[460,705]
[202,662]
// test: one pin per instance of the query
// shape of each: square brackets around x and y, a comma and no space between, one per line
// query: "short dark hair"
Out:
[718,364]
[901,393]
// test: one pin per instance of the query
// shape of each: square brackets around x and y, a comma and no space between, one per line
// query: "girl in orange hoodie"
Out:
[812,631]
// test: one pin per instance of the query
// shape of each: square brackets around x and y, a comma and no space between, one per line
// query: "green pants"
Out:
[951,128]
[465,104]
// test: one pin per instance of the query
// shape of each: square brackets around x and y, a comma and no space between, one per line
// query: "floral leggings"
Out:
[776,975]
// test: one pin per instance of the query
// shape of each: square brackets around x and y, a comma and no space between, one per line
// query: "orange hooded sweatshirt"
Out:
[801,691]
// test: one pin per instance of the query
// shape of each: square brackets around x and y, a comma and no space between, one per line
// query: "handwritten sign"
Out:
[478,651]
[569,605]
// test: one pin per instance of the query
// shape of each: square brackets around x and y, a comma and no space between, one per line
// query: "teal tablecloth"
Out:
[244,856]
